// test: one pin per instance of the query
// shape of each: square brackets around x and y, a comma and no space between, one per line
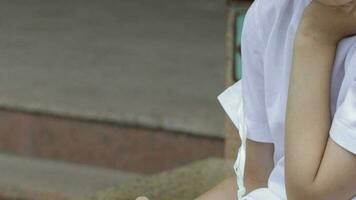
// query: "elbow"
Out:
[302,186]
[299,193]
[296,191]
[305,191]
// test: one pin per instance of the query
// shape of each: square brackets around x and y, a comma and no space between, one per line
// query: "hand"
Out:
[328,23]
[142,198]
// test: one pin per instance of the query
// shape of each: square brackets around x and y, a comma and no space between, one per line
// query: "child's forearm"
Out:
[308,114]
[316,167]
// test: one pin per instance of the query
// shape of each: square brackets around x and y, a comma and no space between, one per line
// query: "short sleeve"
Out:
[252,82]
[343,127]
[253,93]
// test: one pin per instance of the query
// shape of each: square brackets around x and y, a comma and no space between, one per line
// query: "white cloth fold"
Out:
[232,102]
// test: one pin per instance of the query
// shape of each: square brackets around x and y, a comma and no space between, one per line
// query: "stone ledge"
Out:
[17,193]
[24,178]
[157,64]
[184,183]
[101,144]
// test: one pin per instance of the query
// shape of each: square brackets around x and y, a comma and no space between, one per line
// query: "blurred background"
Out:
[99,94]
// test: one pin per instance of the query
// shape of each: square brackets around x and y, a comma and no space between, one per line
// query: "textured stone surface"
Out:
[158,63]
[184,183]
[29,177]
[102,144]
[15,193]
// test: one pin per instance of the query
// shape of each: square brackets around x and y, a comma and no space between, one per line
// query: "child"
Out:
[299,102]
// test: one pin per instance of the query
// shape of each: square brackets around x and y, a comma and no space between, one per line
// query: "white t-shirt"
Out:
[267,44]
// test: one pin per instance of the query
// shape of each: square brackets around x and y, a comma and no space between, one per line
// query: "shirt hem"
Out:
[259,132]
[343,135]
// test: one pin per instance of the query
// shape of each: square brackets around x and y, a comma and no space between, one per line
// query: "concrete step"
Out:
[158,64]
[186,182]
[102,144]
[29,178]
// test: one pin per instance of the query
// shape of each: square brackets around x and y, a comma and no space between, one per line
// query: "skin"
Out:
[316,167]
[335,2]
[141,198]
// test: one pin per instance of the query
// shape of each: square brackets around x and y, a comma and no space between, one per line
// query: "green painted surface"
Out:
[239,20]
[239,13]
[238,30]
[238,66]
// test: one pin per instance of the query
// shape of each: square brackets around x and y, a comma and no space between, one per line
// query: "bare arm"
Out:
[259,164]
[316,167]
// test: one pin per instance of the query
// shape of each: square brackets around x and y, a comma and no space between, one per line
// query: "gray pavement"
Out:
[157,63]
[57,177]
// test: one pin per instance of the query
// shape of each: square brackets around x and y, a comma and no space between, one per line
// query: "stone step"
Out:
[17,193]
[102,144]
[186,182]
[158,64]
[29,178]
